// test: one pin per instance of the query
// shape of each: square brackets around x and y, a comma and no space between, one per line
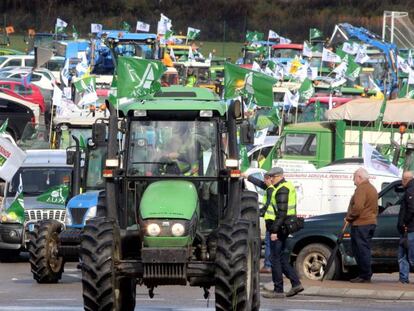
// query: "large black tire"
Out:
[46,264]
[100,248]
[234,265]
[311,261]
[249,210]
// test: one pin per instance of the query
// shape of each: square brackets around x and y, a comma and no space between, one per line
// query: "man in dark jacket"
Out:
[406,228]
[362,215]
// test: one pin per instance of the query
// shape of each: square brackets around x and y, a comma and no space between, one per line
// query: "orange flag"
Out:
[167,61]
[9,29]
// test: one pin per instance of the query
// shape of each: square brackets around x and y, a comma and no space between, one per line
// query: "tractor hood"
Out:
[169,199]
[84,200]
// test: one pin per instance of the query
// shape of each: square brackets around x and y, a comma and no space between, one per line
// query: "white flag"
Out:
[361,56]
[57,96]
[313,73]
[272,35]
[330,103]
[410,60]
[260,136]
[95,28]
[402,64]
[11,158]
[256,67]
[142,26]
[329,56]
[164,25]
[64,73]
[190,54]
[411,76]
[283,40]
[307,51]
[82,66]
[67,92]
[291,99]
[341,69]
[172,54]
[350,48]
[338,81]
[60,23]
[375,160]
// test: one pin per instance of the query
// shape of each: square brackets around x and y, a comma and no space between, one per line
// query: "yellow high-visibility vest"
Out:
[271,212]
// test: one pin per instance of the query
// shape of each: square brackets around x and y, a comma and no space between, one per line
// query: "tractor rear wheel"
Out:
[250,211]
[234,267]
[102,288]
[46,264]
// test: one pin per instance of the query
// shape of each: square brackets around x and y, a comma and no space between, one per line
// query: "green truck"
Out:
[175,208]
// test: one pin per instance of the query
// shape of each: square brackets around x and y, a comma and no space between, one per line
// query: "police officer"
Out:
[283,205]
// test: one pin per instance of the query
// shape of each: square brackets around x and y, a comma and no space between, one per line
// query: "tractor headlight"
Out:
[178,229]
[90,213]
[153,229]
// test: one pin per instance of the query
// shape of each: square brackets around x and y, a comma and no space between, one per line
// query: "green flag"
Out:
[113,90]
[87,84]
[55,195]
[16,209]
[241,81]
[244,164]
[3,127]
[315,33]
[192,33]
[168,34]
[139,76]
[254,36]
[125,26]
[406,91]
[306,90]
[267,164]
[353,69]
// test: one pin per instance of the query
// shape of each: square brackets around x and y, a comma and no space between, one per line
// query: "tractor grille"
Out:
[44,214]
[171,273]
[78,214]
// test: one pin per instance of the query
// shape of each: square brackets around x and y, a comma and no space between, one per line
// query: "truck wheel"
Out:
[234,268]
[311,262]
[46,264]
[99,249]
[250,211]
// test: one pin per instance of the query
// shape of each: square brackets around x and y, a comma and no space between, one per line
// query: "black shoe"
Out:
[360,280]
[273,295]
[295,290]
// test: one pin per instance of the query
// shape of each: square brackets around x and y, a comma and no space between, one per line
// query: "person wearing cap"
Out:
[282,206]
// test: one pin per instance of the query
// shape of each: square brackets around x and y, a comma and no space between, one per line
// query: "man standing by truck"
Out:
[362,215]
[406,228]
[283,205]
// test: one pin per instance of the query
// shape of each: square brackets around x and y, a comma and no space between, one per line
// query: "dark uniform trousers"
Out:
[361,237]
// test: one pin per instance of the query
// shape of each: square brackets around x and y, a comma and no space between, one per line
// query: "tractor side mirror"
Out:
[98,133]
[70,157]
[238,109]
[246,133]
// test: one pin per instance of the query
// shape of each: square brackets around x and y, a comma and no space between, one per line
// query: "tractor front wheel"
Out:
[102,288]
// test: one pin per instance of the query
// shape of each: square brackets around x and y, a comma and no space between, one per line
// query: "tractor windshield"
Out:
[173,148]
[96,160]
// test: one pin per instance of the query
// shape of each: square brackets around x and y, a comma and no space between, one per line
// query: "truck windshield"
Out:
[96,158]
[37,180]
[65,139]
[173,148]
[299,144]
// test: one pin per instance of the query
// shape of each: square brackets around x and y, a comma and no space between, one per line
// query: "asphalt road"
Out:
[18,291]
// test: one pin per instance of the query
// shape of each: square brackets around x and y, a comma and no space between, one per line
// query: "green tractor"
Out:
[176,211]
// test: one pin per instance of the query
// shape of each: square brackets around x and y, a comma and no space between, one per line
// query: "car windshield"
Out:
[37,180]
[96,159]
[35,136]
[286,53]
[172,148]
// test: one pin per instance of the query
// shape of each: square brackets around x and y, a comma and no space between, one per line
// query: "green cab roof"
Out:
[177,98]
[310,126]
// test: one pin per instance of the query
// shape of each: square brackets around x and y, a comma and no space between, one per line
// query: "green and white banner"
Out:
[55,195]
[192,33]
[11,158]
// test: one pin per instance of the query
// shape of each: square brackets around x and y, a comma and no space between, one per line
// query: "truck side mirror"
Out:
[246,133]
[70,157]
[98,133]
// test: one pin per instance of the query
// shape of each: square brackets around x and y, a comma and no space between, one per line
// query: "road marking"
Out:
[316,300]
[47,299]
[21,308]
[150,299]
[76,276]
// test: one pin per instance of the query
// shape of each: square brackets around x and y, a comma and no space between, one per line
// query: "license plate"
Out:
[31,227]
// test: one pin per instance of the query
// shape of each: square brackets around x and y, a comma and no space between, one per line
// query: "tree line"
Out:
[218,19]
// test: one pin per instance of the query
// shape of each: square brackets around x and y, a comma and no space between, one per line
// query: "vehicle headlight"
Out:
[90,213]
[153,229]
[9,217]
[178,229]
[68,218]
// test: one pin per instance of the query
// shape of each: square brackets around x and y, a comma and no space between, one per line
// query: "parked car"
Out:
[29,92]
[18,111]
[311,247]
